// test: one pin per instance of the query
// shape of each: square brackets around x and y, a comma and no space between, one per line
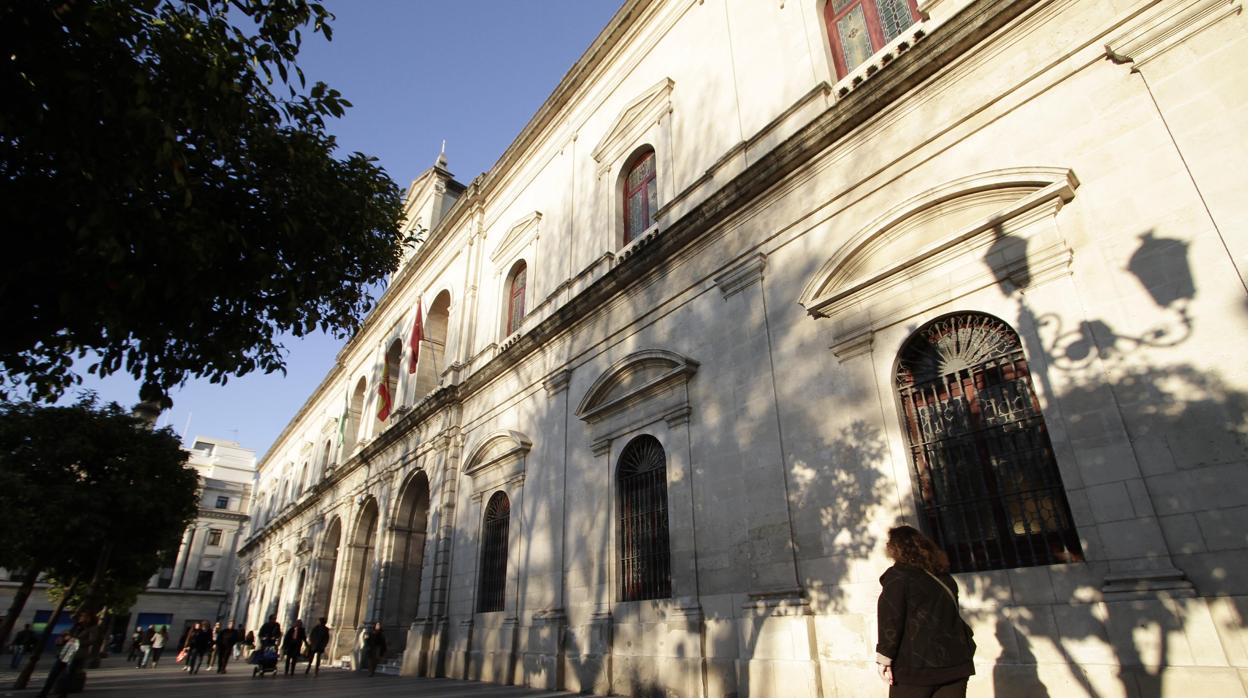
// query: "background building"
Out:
[761,280]
[196,583]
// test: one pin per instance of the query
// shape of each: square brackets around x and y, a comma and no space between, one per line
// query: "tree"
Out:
[171,195]
[90,494]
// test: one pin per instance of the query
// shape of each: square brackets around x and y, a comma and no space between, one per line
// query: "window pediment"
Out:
[642,113]
[497,459]
[520,234]
[960,236]
[636,378]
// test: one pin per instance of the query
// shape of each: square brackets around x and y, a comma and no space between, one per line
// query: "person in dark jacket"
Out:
[318,640]
[198,645]
[226,639]
[136,641]
[374,647]
[23,643]
[270,633]
[292,646]
[925,649]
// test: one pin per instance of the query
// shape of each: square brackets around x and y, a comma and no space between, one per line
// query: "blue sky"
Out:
[471,72]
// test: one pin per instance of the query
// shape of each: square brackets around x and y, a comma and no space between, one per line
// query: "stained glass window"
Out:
[859,28]
[515,297]
[640,196]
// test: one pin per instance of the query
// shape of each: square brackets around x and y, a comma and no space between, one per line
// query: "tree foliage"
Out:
[91,493]
[173,202]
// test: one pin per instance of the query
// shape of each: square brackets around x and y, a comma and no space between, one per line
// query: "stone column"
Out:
[195,558]
[184,550]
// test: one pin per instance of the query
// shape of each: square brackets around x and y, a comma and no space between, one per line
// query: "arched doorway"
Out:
[407,556]
[987,485]
[326,568]
[360,568]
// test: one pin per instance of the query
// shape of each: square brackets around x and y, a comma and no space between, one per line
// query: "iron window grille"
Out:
[645,555]
[988,486]
[493,580]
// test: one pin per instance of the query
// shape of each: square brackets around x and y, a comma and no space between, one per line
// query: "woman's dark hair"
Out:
[908,545]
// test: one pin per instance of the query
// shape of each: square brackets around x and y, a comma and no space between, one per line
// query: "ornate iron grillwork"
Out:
[492,582]
[987,482]
[645,556]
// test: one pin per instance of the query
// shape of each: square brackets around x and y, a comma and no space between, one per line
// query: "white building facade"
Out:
[196,583]
[761,280]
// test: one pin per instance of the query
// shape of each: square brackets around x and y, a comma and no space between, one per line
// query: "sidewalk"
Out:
[118,678]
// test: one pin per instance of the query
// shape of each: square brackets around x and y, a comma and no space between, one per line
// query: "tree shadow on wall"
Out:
[1180,423]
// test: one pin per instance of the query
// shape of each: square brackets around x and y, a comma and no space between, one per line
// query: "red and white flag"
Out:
[418,334]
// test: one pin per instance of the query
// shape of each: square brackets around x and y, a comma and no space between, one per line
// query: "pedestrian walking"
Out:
[249,642]
[68,658]
[925,649]
[136,645]
[374,647]
[226,641]
[318,640]
[212,645]
[198,644]
[23,643]
[67,648]
[159,639]
[292,646]
[145,647]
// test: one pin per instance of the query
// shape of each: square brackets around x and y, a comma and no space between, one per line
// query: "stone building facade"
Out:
[196,583]
[761,280]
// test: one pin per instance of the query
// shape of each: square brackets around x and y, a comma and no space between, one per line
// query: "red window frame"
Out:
[874,28]
[515,297]
[644,189]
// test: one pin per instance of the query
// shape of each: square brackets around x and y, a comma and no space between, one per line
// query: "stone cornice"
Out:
[223,515]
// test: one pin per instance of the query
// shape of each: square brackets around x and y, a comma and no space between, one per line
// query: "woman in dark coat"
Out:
[925,648]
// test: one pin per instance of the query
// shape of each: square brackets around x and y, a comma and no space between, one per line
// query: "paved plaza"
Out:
[118,678]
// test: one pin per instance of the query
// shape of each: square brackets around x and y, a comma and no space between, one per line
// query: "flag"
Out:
[384,402]
[418,334]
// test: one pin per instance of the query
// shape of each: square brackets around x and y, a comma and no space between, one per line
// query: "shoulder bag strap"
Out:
[949,592]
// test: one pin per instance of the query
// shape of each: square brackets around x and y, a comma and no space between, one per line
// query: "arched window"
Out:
[325,456]
[351,422]
[641,195]
[516,282]
[303,480]
[859,28]
[987,484]
[645,557]
[492,581]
